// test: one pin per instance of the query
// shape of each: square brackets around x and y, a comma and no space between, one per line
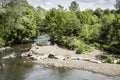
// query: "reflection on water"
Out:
[15,71]
[40,73]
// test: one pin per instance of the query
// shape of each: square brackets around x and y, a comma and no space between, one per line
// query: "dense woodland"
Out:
[72,28]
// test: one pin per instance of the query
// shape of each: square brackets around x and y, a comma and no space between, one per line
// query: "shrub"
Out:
[109,60]
[2,42]
[80,49]
[113,47]
[105,46]
[75,44]
[102,57]
[88,48]
[97,45]
[65,40]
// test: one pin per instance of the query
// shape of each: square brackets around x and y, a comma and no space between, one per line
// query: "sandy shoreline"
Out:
[103,68]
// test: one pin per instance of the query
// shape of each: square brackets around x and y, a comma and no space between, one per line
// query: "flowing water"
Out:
[12,67]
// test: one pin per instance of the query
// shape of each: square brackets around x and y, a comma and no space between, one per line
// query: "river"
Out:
[14,68]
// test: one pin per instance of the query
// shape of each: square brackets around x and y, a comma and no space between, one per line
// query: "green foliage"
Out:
[98,12]
[2,42]
[74,6]
[102,57]
[80,50]
[109,60]
[83,48]
[76,43]
[101,26]
[17,21]
[117,5]
[96,44]
[86,17]
[80,46]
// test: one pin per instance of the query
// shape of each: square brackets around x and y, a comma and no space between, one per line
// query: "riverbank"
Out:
[52,56]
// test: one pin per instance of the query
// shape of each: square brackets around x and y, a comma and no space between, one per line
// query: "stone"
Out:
[3,48]
[43,57]
[8,47]
[34,45]
[115,61]
[34,57]
[75,58]
[95,61]
[51,56]
[85,59]
[60,57]
[29,55]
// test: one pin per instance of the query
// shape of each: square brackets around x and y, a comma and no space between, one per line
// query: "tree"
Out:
[107,12]
[86,17]
[60,7]
[98,12]
[117,5]
[13,3]
[3,3]
[18,21]
[74,6]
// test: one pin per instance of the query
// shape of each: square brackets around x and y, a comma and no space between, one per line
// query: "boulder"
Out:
[43,57]
[33,57]
[51,56]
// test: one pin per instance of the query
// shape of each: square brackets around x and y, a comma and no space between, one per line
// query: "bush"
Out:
[76,44]
[109,60]
[97,45]
[81,47]
[65,40]
[102,57]
[2,42]
[111,48]
[105,46]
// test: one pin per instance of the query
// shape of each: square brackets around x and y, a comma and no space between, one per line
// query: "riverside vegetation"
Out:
[73,28]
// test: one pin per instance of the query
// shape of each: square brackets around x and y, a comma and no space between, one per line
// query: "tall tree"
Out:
[3,2]
[98,12]
[117,5]
[74,6]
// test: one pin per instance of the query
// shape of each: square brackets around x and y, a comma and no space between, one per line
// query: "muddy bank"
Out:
[58,57]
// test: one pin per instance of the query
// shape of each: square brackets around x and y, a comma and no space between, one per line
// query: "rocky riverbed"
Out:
[57,57]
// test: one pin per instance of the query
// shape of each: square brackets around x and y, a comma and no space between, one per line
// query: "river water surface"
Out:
[13,68]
